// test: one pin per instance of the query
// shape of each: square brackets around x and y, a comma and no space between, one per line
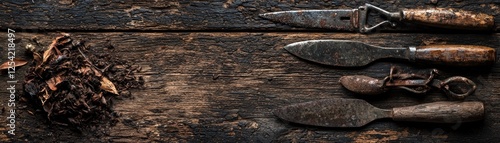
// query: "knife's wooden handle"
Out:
[455,55]
[441,112]
[449,18]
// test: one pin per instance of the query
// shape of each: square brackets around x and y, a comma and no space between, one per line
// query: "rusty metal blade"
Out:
[332,113]
[343,52]
[338,19]
[363,84]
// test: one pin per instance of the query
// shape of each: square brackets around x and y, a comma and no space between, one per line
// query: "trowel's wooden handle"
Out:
[449,18]
[441,112]
[454,55]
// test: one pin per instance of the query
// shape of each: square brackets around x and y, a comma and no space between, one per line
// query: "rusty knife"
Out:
[352,53]
[357,113]
[356,19]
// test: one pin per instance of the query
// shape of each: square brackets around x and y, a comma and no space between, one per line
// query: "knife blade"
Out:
[356,19]
[339,19]
[347,53]
[357,113]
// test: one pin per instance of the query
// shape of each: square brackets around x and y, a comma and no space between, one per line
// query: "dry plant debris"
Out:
[17,63]
[74,85]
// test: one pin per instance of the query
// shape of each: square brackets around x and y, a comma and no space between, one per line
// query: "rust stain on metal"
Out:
[352,53]
[356,19]
[342,52]
[449,18]
[332,113]
[339,19]
[322,22]
[357,113]
[363,84]
[415,83]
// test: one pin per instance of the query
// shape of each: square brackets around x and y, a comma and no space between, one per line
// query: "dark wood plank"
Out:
[222,87]
[193,15]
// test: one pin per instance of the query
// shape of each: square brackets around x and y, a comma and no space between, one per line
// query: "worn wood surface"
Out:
[214,70]
[222,87]
[195,15]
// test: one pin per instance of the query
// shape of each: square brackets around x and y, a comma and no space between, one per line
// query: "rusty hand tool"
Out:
[357,113]
[415,83]
[351,53]
[356,19]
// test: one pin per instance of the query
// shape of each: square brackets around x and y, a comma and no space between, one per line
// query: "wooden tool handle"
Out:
[449,18]
[441,112]
[454,55]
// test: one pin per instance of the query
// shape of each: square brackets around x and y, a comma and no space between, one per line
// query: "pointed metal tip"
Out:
[295,47]
[292,49]
[288,47]
[265,15]
[276,112]
[342,80]
[347,78]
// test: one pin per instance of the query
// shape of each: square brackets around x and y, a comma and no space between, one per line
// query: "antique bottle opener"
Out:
[412,82]
[351,53]
[357,113]
[356,19]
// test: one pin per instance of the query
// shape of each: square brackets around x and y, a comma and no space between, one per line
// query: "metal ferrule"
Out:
[413,51]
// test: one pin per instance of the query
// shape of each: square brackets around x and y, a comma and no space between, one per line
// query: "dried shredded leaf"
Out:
[37,58]
[96,72]
[108,86]
[103,101]
[45,96]
[52,48]
[58,53]
[48,53]
[84,103]
[84,70]
[53,82]
[97,97]
[80,102]
[17,62]
[48,108]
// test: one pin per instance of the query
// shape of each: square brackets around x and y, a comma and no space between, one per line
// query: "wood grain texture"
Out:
[449,18]
[222,87]
[196,15]
[458,55]
[440,112]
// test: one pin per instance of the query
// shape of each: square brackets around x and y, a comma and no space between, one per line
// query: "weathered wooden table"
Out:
[214,70]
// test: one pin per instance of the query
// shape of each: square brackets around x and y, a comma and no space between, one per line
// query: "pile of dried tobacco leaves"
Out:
[75,85]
